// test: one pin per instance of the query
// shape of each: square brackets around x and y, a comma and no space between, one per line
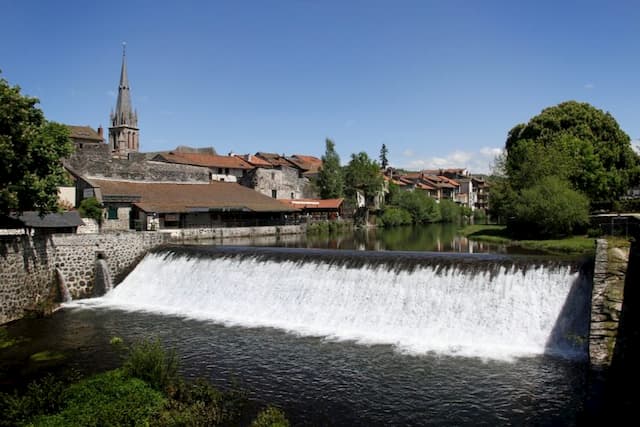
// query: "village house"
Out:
[171,205]
[277,176]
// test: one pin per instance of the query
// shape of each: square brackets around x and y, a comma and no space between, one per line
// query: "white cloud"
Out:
[589,86]
[635,143]
[407,153]
[475,161]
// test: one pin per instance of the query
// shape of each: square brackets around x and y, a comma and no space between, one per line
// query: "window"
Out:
[292,196]
[274,194]
[226,171]
[273,175]
[220,171]
[112,212]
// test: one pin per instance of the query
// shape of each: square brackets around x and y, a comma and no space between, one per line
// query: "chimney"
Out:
[100,131]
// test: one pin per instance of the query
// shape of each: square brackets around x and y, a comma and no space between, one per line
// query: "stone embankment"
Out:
[606,302]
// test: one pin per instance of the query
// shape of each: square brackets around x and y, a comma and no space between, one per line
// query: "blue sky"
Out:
[439,82]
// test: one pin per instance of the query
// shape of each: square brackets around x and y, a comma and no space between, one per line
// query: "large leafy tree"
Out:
[577,142]
[30,152]
[330,180]
[363,174]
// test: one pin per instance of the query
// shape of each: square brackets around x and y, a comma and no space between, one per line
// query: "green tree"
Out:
[577,142]
[363,174]
[384,152]
[330,179]
[549,208]
[30,153]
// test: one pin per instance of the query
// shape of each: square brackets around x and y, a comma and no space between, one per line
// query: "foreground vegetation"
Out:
[499,234]
[146,390]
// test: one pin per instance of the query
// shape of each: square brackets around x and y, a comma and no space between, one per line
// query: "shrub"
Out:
[91,208]
[107,399]
[41,397]
[270,417]
[149,362]
[393,216]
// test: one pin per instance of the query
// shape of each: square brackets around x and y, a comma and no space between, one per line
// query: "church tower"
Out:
[124,135]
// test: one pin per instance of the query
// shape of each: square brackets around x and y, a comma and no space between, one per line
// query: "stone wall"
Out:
[75,256]
[223,233]
[27,279]
[606,302]
[136,168]
[28,265]
[286,182]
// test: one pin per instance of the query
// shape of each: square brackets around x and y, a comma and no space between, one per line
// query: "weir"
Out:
[487,306]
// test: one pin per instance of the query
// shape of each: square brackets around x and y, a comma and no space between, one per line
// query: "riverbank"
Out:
[497,234]
[145,390]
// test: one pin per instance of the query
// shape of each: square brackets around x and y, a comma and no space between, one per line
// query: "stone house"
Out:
[277,177]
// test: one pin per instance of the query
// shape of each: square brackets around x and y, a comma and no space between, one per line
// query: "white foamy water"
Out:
[504,315]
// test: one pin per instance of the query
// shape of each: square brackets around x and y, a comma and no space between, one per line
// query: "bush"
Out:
[270,417]
[42,397]
[394,216]
[91,208]
[549,209]
[107,399]
[149,362]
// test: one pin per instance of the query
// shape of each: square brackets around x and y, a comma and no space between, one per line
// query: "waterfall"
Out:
[62,286]
[471,305]
[103,283]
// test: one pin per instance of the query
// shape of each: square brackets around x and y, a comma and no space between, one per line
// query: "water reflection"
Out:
[432,237]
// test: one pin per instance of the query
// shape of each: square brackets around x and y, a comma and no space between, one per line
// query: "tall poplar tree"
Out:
[330,179]
[384,152]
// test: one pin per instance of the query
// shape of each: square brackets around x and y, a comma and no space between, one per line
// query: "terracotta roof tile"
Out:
[309,163]
[312,203]
[187,197]
[277,159]
[255,160]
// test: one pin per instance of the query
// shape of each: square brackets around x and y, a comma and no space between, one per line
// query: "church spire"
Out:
[124,114]
[124,133]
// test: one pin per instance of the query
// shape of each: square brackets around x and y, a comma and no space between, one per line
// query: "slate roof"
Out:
[32,219]
[204,159]
[84,132]
[191,197]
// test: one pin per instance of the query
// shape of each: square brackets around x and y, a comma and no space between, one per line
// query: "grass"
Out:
[498,234]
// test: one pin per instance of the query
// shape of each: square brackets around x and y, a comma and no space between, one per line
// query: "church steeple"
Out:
[124,132]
